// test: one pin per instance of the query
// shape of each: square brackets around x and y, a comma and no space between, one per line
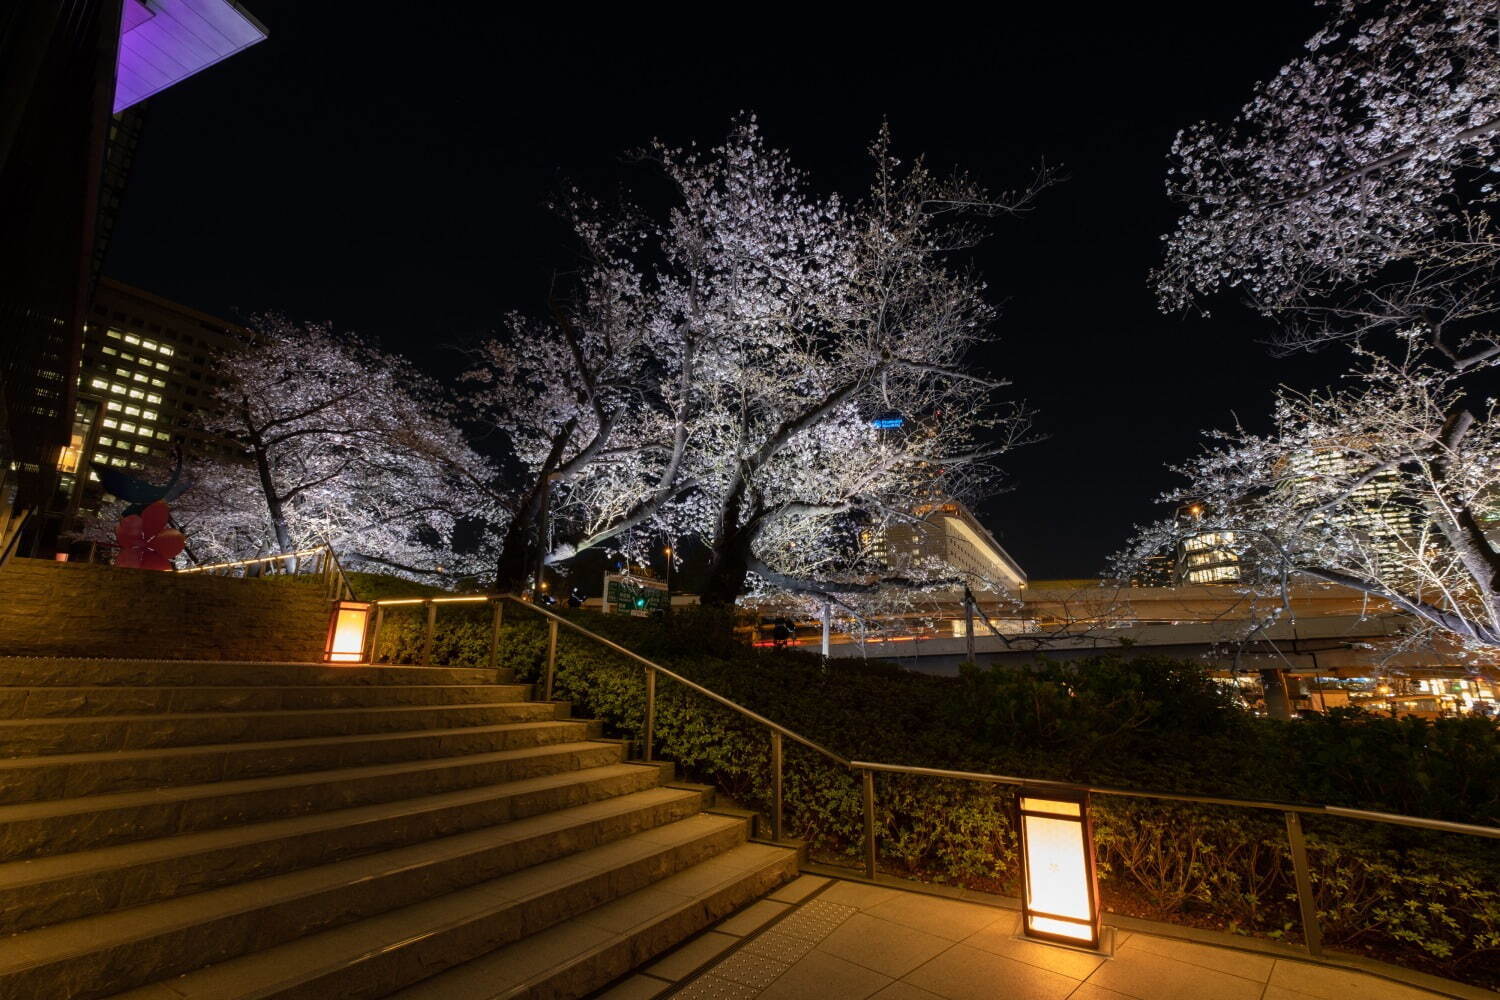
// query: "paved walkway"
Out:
[825,939]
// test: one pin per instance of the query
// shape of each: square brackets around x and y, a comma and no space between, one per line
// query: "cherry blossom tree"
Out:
[722,370]
[344,443]
[1388,484]
[1351,203]
[1353,194]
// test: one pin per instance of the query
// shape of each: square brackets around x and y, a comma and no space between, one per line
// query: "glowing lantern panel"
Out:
[1061,900]
[346,632]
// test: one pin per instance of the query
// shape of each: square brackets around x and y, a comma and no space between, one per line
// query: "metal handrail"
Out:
[1292,812]
[322,558]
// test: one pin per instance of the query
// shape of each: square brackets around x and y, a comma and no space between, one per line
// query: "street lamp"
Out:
[1060,888]
[668,551]
[346,632]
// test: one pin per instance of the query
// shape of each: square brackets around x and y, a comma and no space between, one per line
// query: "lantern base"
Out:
[1106,947]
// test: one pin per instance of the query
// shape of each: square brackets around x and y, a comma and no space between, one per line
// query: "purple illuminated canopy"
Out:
[163,42]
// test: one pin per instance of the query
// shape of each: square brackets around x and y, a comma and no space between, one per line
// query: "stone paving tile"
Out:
[1236,963]
[636,988]
[1088,991]
[904,991]
[1327,983]
[887,948]
[1146,976]
[799,889]
[857,894]
[690,956]
[1000,939]
[946,918]
[821,976]
[964,973]
[753,917]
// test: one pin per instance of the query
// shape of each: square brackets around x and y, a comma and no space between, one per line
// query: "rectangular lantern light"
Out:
[346,632]
[1060,891]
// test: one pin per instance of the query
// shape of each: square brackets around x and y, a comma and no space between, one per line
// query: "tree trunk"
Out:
[521,549]
[730,563]
[273,501]
[518,555]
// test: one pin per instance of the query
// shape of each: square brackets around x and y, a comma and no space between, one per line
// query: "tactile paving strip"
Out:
[765,956]
[714,988]
[816,920]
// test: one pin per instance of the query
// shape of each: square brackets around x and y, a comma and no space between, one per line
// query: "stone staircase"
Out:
[201,830]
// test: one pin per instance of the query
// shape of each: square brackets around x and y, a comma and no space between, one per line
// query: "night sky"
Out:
[387,168]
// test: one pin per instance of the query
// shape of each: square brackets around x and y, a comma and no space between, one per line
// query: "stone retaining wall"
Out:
[76,609]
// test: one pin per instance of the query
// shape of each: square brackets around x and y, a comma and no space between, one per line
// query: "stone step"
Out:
[375,956]
[65,776]
[563,813]
[35,829]
[20,671]
[27,737]
[47,702]
[580,955]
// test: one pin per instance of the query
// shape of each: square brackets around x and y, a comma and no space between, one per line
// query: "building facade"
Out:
[73,74]
[949,533]
[147,372]
[1373,514]
[1206,557]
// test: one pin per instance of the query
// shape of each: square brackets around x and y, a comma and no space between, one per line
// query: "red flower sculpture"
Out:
[145,540]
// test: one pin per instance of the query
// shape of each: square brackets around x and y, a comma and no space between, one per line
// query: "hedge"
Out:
[1428,901]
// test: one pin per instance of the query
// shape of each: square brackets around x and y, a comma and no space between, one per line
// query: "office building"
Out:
[73,74]
[950,534]
[147,370]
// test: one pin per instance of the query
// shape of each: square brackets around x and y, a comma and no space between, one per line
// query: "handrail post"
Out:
[496,617]
[551,657]
[776,830]
[427,633]
[869,797]
[649,739]
[1312,934]
[375,636]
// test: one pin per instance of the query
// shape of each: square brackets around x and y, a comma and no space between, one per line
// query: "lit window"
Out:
[93,476]
[149,415]
[152,397]
[117,460]
[127,427]
[113,334]
[126,356]
[106,440]
[112,405]
[139,377]
[98,383]
[122,372]
[160,366]
[137,394]
[142,449]
[132,411]
[166,350]
[158,383]
[109,350]
[149,345]
[131,338]
[163,436]
[117,388]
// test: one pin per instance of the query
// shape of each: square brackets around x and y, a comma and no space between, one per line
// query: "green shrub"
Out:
[1429,901]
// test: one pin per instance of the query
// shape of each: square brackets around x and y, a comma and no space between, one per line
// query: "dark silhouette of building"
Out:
[73,74]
